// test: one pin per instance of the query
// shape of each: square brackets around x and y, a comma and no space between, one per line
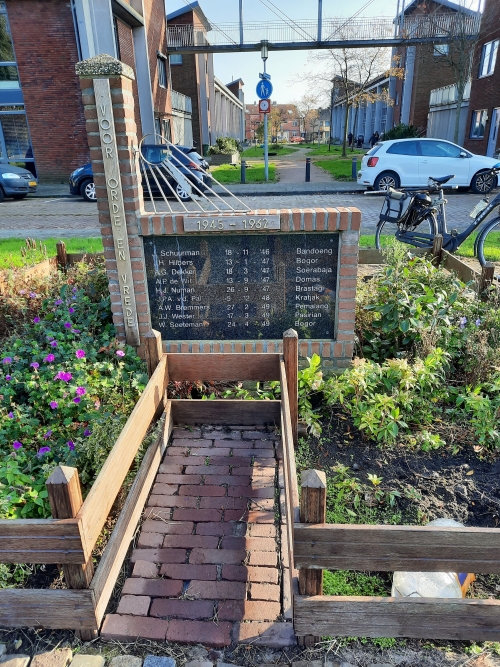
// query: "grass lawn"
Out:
[256,151]
[335,150]
[339,168]
[10,250]
[231,173]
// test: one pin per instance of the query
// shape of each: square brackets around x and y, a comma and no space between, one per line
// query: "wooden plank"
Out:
[427,618]
[388,548]
[74,257]
[374,256]
[55,609]
[465,272]
[289,459]
[40,541]
[154,350]
[226,412]
[112,559]
[223,367]
[102,495]
[291,359]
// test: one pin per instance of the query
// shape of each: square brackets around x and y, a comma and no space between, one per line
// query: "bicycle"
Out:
[410,208]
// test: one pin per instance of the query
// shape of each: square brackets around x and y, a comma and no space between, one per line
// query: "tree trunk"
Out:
[354,128]
[346,130]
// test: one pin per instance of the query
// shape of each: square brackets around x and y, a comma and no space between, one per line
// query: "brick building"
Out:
[41,114]
[289,125]
[484,106]
[425,67]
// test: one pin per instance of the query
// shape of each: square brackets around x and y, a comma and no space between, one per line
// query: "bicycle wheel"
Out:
[386,231]
[488,245]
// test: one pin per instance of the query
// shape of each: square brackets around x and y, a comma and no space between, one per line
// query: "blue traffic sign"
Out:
[264,89]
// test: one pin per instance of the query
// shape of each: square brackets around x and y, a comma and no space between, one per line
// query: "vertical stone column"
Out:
[106,85]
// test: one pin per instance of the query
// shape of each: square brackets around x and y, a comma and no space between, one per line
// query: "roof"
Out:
[236,81]
[191,7]
[445,3]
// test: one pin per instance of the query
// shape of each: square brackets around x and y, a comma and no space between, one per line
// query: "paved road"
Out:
[64,218]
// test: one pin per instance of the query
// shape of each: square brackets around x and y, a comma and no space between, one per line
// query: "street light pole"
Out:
[264,55]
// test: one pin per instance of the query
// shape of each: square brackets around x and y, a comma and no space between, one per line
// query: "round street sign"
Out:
[264,106]
[264,89]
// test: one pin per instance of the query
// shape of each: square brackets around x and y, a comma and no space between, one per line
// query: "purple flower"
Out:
[47,435]
[71,445]
[80,354]
[81,391]
[53,405]
[10,415]
[7,360]
[22,291]
[58,302]
[463,322]
[67,325]
[17,445]
[87,432]
[53,343]
[49,358]
[33,295]
[42,451]
[36,320]
[65,377]
[120,353]
[75,330]
[71,311]
[77,400]
[8,378]
[478,323]
[35,365]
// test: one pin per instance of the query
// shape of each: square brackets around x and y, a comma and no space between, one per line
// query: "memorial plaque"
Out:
[242,286]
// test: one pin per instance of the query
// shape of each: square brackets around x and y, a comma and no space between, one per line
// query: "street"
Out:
[68,217]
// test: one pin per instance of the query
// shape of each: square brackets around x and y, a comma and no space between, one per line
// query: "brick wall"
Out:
[46,52]
[127,55]
[154,12]
[485,92]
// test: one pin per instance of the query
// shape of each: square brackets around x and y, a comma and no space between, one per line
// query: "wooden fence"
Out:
[70,536]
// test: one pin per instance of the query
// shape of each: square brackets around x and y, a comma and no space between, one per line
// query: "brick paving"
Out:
[208,565]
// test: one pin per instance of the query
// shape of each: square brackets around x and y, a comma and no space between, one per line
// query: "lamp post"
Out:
[264,54]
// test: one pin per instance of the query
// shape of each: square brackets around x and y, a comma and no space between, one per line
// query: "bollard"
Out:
[354,169]
[243,171]
[308,169]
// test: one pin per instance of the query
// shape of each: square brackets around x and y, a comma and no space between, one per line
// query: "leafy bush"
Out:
[400,131]
[225,146]
[59,379]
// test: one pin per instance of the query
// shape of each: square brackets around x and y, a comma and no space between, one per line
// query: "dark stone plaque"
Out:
[242,286]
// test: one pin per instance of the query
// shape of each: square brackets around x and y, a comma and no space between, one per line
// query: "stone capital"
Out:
[103,67]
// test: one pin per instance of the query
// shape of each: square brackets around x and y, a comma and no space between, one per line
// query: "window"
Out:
[326,123]
[439,149]
[295,123]
[116,38]
[162,72]
[441,49]
[488,58]
[176,59]
[403,148]
[396,102]
[478,124]
[165,127]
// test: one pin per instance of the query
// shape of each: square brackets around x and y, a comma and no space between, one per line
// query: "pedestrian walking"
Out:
[349,139]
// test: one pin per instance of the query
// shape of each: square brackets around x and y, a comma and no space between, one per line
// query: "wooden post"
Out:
[485,280]
[291,359]
[154,350]
[437,250]
[312,510]
[65,497]
[62,255]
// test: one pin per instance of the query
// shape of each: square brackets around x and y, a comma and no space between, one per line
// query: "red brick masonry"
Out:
[209,566]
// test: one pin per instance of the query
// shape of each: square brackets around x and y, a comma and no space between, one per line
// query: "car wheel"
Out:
[87,190]
[483,182]
[181,193]
[2,195]
[386,180]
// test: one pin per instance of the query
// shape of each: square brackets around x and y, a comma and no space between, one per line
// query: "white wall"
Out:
[441,122]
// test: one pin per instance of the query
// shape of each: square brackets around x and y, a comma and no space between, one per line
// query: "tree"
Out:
[275,120]
[306,109]
[259,132]
[459,31]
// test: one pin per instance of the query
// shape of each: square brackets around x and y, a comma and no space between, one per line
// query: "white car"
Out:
[410,162]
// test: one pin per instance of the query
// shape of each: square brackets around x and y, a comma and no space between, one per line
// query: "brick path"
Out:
[208,567]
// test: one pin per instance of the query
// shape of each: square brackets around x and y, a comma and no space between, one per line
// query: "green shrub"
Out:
[344,582]
[225,146]
[400,131]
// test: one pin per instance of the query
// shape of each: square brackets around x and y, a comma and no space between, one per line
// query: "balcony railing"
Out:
[447,95]
[181,102]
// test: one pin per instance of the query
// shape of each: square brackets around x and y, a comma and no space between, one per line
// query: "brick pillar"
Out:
[106,85]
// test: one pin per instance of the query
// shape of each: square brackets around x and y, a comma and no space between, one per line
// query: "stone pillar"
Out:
[106,85]
[368,121]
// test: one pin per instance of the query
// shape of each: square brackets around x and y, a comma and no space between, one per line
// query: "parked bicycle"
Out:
[418,217]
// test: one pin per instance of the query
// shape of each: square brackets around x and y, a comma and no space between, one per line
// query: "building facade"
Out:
[442,115]
[483,120]
[228,113]
[41,114]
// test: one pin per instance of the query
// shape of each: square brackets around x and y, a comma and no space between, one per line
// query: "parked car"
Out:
[196,157]
[16,182]
[81,181]
[297,140]
[410,162]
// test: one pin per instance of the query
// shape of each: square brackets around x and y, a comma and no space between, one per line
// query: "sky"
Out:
[287,66]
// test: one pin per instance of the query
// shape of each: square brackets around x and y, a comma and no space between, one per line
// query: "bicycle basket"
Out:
[396,206]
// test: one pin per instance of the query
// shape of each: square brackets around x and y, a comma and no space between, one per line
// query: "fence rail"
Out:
[441,28]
